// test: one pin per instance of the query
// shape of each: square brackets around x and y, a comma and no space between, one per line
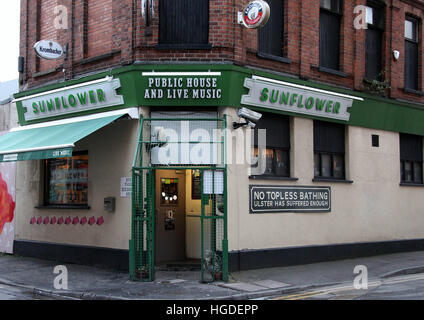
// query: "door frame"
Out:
[142,262]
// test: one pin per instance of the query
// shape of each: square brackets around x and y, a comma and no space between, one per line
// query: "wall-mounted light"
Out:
[396,54]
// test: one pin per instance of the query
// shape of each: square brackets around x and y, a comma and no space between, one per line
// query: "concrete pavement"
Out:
[93,283]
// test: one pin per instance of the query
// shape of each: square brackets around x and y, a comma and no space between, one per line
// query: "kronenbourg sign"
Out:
[49,50]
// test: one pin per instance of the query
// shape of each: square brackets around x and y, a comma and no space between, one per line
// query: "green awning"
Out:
[48,141]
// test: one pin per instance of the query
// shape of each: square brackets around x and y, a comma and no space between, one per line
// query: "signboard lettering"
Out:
[71,100]
[274,199]
[48,50]
[297,99]
[182,88]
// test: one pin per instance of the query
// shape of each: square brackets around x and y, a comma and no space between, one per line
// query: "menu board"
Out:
[196,185]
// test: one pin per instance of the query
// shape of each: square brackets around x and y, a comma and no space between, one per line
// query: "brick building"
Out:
[340,93]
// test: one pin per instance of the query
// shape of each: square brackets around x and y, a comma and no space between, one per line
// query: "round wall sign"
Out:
[49,50]
[256,14]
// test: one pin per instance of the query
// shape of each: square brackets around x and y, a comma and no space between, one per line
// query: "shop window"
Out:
[329,150]
[169,192]
[66,181]
[276,155]
[184,23]
[374,42]
[411,54]
[329,33]
[411,158]
[270,37]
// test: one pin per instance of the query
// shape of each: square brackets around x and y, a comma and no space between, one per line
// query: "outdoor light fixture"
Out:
[396,54]
[250,117]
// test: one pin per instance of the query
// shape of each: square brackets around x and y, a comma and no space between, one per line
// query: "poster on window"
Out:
[68,181]
[7,206]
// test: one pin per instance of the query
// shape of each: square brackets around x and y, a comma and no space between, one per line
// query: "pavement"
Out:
[93,283]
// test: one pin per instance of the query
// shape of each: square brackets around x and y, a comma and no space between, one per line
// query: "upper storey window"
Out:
[411,53]
[271,35]
[184,23]
[374,41]
[329,33]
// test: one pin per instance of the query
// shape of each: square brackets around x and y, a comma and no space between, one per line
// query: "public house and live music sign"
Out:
[284,96]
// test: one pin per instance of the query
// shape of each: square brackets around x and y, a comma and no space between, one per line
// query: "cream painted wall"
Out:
[373,208]
[111,152]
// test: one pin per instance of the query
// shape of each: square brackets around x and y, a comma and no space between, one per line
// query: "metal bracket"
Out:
[240,18]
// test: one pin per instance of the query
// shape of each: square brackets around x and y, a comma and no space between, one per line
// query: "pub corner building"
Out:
[168,146]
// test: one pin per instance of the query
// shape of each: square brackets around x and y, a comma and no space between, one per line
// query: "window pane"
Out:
[269,157]
[326,165]
[68,181]
[373,54]
[326,4]
[329,40]
[282,167]
[370,15]
[402,171]
[317,165]
[183,22]
[410,30]
[339,167]
[271,35]
[408,171]
[418,172]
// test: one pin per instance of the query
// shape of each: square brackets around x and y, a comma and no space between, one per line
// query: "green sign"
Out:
[95,95]
[182,86]
[278,95]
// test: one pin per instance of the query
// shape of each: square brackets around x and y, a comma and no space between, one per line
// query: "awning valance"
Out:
[54,139]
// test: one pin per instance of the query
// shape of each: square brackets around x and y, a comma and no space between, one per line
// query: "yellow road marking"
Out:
[309,294]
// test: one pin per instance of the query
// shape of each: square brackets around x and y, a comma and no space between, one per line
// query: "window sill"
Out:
[412,91]
[98,58]
[407,184]
[183,46]
[70,207]
[330,71]
[45,73]
[273,178]
[272,57]
[332,180]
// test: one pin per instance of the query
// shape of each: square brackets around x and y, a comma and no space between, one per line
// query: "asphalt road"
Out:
[409,287]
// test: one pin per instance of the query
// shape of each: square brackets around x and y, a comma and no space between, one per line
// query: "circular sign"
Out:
[256,14]
[49,50]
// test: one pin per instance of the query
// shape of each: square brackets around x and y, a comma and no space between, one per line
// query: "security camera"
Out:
[249,114]
[159,138]
[250,117]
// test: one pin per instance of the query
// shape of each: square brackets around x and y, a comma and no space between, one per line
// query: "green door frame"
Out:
[142,243]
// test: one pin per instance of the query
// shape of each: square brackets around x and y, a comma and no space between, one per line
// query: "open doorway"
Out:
[178,220]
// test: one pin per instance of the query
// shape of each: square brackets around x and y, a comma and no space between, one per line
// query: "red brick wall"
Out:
[47,31]
[110,33]
[99,29]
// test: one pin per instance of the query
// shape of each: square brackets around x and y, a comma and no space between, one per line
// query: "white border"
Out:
[289,210]
[307,88]
[132,112]
[181,74]
[107,79]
